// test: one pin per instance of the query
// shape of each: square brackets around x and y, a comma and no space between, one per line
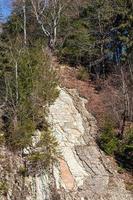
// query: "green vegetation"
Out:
[46,153]
[129,186]
[28,87]
[2,139]
[121,149]
[3,188]
[108,140]
[23,171]
[82,74]
[31,86]
[98,37]
[120,170]
[124,152]
[93,34]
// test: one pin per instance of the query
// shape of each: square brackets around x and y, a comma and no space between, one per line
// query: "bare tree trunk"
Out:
[55,32]
[52,21]
[24,20]
[102,46]
[15,120]
[47,34]
[16,80]
[126,106]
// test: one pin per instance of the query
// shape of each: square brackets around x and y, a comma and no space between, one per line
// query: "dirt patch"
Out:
[86,89]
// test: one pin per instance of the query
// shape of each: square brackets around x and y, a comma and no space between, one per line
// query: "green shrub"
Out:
[112,145]
[23,171]
[36,158]
[31,87]
[29,96]
[3,188]
[2,138]
[48,151]
[82,74]
[22,136]
[129,186]
[124,152]
[108,140]
[120,170]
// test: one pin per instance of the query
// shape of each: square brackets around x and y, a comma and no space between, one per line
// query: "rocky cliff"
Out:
[82,172]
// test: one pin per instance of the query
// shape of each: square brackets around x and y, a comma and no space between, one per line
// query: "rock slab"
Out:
[82,172]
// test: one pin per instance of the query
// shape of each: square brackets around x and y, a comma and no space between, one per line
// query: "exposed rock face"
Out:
[83,171]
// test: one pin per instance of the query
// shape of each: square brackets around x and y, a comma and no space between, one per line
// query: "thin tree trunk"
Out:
[126,107]
[24,21]
[16,80]
[102,45]
[55,32]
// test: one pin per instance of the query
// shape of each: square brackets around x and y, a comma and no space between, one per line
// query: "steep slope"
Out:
[85,172]
[82,172]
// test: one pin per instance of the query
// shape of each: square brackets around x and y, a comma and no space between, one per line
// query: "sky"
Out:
[5,9]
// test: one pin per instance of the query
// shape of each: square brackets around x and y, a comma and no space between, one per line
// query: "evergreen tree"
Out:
[100,34]
[28,87]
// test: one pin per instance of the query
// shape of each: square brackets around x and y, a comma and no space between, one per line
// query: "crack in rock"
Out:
[89,167]
[82,173]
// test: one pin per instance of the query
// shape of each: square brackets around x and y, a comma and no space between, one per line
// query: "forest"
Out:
[93,35]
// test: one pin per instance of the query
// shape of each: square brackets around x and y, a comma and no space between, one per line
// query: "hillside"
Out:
[66,100]
[82,171]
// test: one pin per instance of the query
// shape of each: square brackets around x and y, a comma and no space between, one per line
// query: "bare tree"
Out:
[20,6]
[48,14]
